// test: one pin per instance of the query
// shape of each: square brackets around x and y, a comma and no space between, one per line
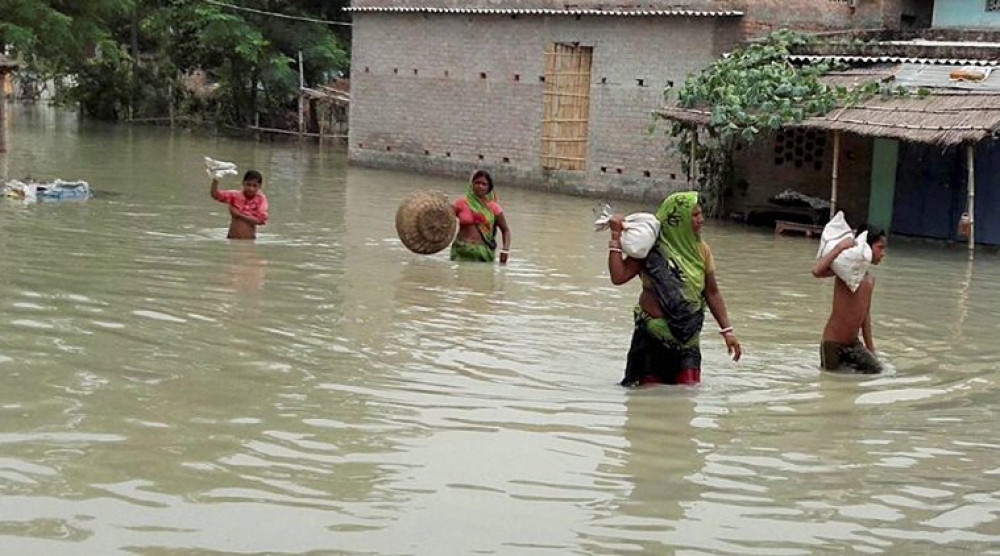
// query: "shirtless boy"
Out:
[841,350]
[248,208]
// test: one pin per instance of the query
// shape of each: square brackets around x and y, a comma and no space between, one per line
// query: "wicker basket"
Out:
[425,222]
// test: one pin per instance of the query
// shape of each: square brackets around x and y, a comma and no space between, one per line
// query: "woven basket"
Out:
[425,222]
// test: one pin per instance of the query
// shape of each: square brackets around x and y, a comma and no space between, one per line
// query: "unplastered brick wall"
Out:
[447,93]
[763,16]
[769,166]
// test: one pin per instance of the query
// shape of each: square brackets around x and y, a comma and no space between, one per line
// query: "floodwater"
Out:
[324,390]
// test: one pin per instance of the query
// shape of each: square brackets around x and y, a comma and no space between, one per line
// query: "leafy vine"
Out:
[755,89]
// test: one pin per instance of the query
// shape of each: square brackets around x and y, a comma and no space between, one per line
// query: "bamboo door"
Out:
[567,106]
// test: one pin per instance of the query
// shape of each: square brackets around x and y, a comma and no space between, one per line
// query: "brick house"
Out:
[551,95]
[911,164]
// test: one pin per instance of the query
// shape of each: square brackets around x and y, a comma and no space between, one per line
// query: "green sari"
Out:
[479,252]
[666,349]
[675,272]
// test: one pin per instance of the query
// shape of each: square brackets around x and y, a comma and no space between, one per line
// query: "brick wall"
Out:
[761,15]
[756,164]
[449,93]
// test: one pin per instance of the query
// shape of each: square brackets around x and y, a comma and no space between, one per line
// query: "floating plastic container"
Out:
[57,190]
[60,189]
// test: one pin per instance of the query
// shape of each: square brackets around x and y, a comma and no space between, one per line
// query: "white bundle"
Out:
[851,264]
[639,236]
[21,191]
[218,169]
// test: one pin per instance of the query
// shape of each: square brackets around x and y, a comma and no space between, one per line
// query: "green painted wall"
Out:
[885,155]
[964,13]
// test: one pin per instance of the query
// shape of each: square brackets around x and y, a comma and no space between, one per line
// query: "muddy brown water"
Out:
[164,390]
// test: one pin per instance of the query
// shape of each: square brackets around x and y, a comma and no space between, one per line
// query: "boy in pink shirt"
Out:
[248,207]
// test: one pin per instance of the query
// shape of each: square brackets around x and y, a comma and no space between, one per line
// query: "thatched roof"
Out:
[6,64]
[945,117]
[327,94]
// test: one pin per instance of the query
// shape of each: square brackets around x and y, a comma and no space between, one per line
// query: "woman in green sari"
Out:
[678,281]
[479,218]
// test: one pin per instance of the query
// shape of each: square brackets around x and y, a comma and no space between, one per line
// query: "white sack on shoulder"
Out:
[835,231]
[219,169]
[639,237]
[851,264]
[640,234]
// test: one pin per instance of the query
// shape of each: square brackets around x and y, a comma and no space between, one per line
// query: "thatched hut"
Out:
[907,163]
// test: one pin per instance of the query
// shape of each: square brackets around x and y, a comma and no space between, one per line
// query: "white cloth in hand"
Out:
[218,169]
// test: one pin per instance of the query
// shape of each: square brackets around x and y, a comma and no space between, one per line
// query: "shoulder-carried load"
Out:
[639,236]
[852,264]
[425,222]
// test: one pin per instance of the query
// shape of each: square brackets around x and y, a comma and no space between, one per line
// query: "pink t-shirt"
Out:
[466,215]
[255,206]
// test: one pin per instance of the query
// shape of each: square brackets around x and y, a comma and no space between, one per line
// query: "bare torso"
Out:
[649,304]
[849,311]
[469,234]
[241,229]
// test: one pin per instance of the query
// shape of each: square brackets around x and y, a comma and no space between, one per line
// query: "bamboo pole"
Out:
[693,163]
[971,163]
[170,102]
[549,114]
[3,113]
[836,172]
[302,106]
[288,132]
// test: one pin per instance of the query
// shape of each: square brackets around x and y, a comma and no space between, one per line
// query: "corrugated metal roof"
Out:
[934,76]
[545,11]
[893,59]
[854,77]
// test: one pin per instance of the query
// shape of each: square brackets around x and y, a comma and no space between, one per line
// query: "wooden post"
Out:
[971,163]
[302,106]
[836,172]
[170,102]
[693,164]
[3,112]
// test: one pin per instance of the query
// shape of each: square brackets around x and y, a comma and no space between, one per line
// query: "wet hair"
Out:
[874,233]
[485,175]
[253,175]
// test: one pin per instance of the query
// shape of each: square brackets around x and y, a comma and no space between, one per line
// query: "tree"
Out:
[129,53]
[253,55]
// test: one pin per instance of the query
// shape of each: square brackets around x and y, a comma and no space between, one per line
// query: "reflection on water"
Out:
[323,389]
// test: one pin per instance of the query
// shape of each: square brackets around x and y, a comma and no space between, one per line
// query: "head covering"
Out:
[679,243]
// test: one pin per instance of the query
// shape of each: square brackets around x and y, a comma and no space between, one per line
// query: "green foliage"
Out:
[755,90]
[57,37]
[252,57]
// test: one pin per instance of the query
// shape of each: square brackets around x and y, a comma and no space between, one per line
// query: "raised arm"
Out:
[214,189]
[621,269]
[718,307]
[822,268]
